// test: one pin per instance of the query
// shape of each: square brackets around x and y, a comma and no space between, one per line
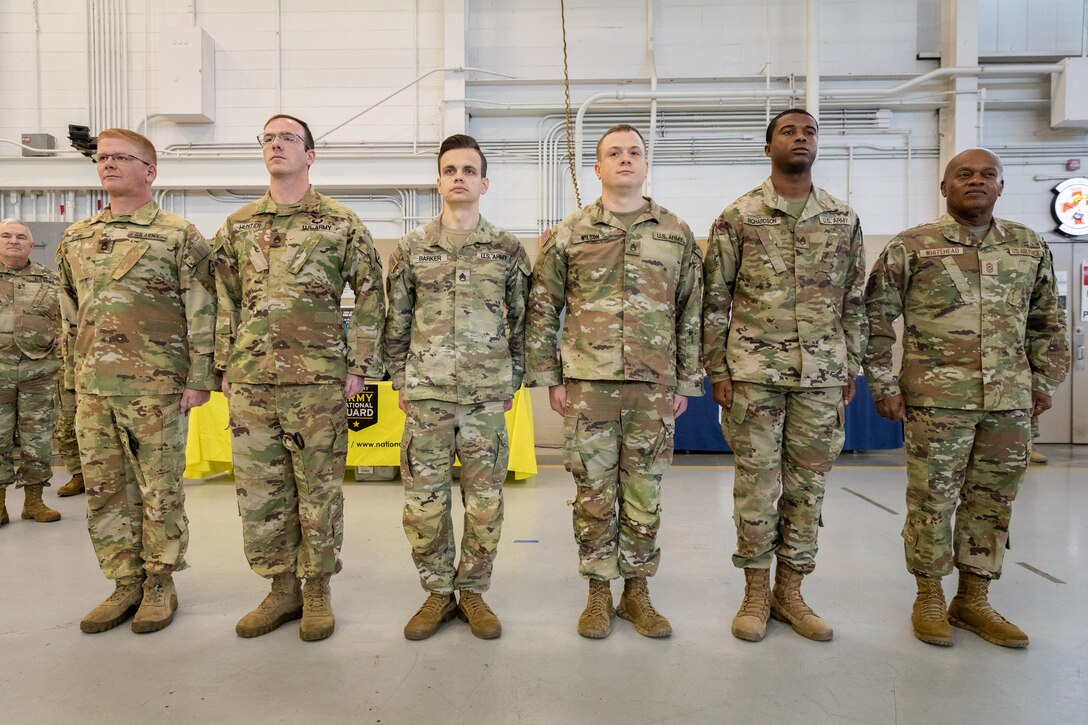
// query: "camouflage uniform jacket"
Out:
[456,324]
[784,308]
[280,274]
[632,299]
[29,313]
[982,323]
[139,304]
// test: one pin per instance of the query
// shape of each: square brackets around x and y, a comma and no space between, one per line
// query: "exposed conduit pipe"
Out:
[653,101]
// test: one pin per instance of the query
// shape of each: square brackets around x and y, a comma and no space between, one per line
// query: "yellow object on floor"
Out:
[378,444]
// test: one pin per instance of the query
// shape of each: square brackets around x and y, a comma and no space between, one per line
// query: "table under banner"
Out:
[375,425]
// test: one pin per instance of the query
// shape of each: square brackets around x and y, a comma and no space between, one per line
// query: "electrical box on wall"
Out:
[187,75]
[41,141]
[1068,101]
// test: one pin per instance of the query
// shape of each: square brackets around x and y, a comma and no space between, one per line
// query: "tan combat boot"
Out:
[929,617]
[3,505]
[636,608]
[481,620]
[438,608]
[160,602]
[35,508]
[283,604]
[116,609]
[788,606]
[751,621]
[971,610]
[596,619]
[318,621]
[73,487]
[1036,456]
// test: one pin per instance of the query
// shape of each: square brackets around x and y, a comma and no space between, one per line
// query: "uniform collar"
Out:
[144,216]
[819,201]
[432,233]
[956,233]
[599,215]
[310,203]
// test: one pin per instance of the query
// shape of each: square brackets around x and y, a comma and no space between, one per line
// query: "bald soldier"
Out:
[984,348]
[29,362]
[783,335]
[629,276]
[139,313]
[283,262]
[455,341]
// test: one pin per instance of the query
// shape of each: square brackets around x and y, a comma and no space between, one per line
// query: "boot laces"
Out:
[434,605]
[119,595]
[599,601]
[755,602]
[475,605]
[155,594]
[933,608]
[792,600]
[981,604]
[314,597]
[642,595]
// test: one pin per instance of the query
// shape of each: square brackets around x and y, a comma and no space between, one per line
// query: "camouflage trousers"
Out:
[434,432]
[618,444]
[784,443]
[290,445]
[26,395]
[967,462]
[64,437]
[133,456]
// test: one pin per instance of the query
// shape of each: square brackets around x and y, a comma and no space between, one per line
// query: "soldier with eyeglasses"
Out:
[138,303]
[282,263]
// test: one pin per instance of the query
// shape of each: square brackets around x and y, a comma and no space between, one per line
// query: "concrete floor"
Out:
[541,671]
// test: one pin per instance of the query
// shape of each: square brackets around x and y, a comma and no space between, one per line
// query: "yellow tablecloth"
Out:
[208,449]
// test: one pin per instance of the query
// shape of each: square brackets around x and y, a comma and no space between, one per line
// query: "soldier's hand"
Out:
[722,392]
[557,398]
[353,385]
[892,408]
[679,404]
[402,402]
[849,391]
[1040,403]
[507,405]
[193,399]
[225,387]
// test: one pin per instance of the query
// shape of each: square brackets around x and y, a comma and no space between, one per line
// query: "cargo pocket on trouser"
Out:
[502,455]
[732,418]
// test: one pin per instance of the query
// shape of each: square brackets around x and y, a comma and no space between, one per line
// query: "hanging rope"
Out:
[566,95]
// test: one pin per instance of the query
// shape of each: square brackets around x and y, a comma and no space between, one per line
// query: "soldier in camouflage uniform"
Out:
[629,274]
[984,348]
[139,311]
[783,334]
[29,337]
[282,265]
[455,346]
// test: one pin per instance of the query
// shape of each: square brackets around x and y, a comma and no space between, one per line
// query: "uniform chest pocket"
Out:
[45,301]
[130,259]
[959,280]
[1018,278]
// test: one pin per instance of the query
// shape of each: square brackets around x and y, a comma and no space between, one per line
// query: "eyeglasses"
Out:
[286,136]
[118,159]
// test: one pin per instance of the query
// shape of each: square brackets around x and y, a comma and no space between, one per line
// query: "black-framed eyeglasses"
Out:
[118,159]
[286,136]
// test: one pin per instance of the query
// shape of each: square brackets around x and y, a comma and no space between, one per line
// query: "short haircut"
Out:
[123,134]
[307,135]
[619,127]
[462,141]
[787,112]
[20,222]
